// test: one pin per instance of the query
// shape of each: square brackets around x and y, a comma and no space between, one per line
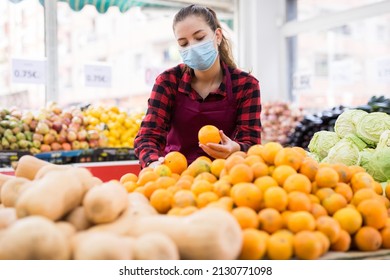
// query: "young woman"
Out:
[207,89]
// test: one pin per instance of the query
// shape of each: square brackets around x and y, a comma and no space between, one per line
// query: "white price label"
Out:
[383,70]
[28,71]
[97,75]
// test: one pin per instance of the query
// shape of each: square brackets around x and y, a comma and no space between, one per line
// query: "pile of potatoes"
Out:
[51,212]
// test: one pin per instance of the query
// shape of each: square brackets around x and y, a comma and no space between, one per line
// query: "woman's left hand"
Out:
[222,150]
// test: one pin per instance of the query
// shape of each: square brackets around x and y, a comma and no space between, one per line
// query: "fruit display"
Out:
[276,203]
[119,126]
[278,120]
[287,204]
[68,135]
[49,129]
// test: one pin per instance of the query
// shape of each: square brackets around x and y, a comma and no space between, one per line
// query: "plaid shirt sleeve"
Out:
[151,138]
[247,90]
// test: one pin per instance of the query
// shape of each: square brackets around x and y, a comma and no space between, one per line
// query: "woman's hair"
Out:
[211,19]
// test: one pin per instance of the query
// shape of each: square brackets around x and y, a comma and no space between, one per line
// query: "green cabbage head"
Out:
[347,121]
[384,139]
[371,126]
[321,142]
[356,140]
[377,163]
[345,151]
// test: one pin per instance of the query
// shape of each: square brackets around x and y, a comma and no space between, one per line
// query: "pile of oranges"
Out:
[287,204]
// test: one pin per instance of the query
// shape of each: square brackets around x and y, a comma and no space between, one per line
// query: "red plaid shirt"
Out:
[151,138]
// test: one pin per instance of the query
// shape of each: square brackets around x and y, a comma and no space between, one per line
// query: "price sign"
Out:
[383,70]
[28,71]
[97,75]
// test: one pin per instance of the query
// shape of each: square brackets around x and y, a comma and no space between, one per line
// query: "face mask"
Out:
[200,56]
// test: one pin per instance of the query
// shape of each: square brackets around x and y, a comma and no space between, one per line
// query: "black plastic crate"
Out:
[114,154]
[86,156]
[61,157]
[10,158]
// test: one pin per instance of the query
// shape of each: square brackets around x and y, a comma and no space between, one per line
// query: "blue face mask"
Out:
[200,56]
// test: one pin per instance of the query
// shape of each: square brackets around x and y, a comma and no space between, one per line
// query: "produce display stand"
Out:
[111,170]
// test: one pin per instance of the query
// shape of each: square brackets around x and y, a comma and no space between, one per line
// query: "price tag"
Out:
[28,71]
[97,75]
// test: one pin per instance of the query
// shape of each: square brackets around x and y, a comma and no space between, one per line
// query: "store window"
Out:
[22,37]
[343,65]
[307,9]
[134,45]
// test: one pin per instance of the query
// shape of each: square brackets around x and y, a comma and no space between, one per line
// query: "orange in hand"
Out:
[209,134]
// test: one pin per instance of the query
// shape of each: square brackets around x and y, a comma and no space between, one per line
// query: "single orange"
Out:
[246,217]
[161,200]
[361,180]
[205,198]
[298,201]
[209,134]
[387,190]
[374,213]
[252,159]
[247,194]
[206,176]
[329,226]
[334,202]
[349,219]
[385,233]
[307,246]
[259,169]
[345,173]
[289,156]
[176,162]
[280,246]
[222,188]
[323,240]
[361,195]
[367,239]
[309,168]
[201,186]
[128,177]
[342,243]
[297,182]
[217,166]
[255,150]
[326,177]
[270,220]
[276,197]
[163,170]
[241,173]
[301,220]
[317,210]
[183,198]
[254,245]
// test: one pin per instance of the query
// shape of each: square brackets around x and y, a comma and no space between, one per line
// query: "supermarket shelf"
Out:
[111,170]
